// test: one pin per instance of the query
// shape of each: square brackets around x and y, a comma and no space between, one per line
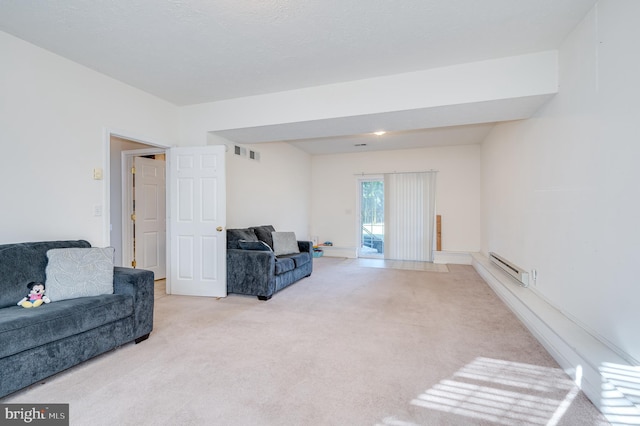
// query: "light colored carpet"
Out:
[350,345]
[398,264]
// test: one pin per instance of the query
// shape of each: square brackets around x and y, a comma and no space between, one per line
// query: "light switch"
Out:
[97,173]
[97,210]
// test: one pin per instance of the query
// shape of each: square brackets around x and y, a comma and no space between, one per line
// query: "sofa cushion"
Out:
[284,243]
[22,329]
[235,235]
[284,265]
[254,245]
[23,263]
[298,258]
[264,234]
[79,272]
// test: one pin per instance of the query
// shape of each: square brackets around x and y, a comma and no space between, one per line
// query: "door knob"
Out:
[219,229]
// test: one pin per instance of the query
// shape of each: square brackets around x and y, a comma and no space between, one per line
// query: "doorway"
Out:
[195,213]
[371,224]
[121,197]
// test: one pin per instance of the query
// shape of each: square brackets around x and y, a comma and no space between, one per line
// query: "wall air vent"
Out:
[241,151]
[511,269]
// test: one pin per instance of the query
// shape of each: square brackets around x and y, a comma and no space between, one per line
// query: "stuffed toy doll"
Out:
[36,296]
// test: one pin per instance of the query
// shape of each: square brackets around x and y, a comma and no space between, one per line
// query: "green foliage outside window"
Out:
[372,209]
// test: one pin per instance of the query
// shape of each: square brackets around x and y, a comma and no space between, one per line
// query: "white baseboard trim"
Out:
[335,251]
[452,257]
[581,355]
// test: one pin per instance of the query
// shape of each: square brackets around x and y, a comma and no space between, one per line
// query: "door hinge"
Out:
[133,170]
[133,264]
[133,217]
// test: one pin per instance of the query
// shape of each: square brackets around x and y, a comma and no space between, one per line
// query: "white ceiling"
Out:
[195,51]
[454,135]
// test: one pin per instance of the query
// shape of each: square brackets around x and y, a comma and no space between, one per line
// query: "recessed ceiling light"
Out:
[379,133]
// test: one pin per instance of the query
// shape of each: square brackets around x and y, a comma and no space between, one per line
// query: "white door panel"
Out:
[150,208]
[197,216]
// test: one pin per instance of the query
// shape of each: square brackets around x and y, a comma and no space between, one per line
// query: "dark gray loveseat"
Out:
[255,270]
[38,342]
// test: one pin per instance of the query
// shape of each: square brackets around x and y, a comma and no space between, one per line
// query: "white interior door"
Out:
[197,218]
[150,211]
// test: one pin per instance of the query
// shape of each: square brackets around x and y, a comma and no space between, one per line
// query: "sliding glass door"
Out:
[371,229]
[397,216]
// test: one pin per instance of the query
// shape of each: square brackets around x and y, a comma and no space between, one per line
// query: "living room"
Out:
[553,192]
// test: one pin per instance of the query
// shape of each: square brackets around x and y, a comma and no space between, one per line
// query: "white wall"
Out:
[271,191]
[53,119]
[560,190]
[473,88]
[334,191]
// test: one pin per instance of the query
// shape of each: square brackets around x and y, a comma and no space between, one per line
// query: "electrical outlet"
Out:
[97,210]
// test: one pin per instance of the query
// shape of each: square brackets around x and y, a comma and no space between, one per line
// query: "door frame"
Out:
[127,199]
[359,181]
[108,133]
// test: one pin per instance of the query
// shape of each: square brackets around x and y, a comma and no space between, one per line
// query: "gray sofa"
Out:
[254,269]
[38,342]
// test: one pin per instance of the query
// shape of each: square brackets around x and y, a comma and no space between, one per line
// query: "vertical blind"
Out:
[409,215]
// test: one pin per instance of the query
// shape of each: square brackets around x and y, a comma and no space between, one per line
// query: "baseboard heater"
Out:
[511,269]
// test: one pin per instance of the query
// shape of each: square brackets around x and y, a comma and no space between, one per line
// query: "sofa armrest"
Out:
[137,283]
[305,246]
[251,272]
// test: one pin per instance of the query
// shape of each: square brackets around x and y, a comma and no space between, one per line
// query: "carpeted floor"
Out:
[350,345]
[398,264]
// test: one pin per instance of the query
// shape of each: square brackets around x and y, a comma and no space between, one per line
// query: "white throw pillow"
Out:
[285,243]
[79,272]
